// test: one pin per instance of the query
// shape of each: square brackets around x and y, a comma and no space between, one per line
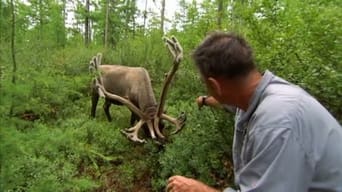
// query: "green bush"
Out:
[39,159]
[49,143]
[200,150]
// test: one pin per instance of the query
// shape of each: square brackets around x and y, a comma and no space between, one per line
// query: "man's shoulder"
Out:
[279,105]
[286,105]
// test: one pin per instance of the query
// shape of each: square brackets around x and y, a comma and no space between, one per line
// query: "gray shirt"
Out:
[286,142]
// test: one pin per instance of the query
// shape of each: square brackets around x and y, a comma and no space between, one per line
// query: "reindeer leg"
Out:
[106,106]
[131,133]
[134,118]
[94,101]
[122,100]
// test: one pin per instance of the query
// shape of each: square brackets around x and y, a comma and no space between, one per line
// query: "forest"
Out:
[49,142]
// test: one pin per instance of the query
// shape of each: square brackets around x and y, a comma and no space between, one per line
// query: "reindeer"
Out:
[131,86]
[133,83]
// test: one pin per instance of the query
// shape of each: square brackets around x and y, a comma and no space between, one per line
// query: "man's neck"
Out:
[252,82]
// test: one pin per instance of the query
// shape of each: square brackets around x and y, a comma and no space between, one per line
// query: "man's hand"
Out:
[208,101]
[183,184]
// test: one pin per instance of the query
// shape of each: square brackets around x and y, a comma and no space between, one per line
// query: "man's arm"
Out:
[212,102]
[184,184]
[274,160]
[208,101]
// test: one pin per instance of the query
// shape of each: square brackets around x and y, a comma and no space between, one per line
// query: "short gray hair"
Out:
[224,55]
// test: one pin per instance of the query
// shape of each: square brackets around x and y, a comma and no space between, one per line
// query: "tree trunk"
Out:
[127,17]
[162,17]
[219,13]
[86,25]
[13,44]
[14,70]
[1,39]
[40,36]
[1,18]
[133,18]
[145,16]
[63,23]
[106,25]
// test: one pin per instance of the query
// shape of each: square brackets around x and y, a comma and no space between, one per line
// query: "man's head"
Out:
[225,61]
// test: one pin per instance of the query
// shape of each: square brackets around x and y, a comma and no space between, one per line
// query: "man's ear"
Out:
[215,85]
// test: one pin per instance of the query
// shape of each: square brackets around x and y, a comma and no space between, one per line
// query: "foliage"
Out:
[49,143]
[39,158]
[289,42]
[202,150]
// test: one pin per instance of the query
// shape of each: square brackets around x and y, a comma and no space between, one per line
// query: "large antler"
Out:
[131,133]
[176,51]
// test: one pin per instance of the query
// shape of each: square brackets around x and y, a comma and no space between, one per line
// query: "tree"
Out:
[14,71]
[145,15]
[162,16]
[113,21]
[5,21]
[87,24]
[219,13]
[106,25]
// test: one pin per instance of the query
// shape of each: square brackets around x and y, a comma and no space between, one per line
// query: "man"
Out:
[284,140]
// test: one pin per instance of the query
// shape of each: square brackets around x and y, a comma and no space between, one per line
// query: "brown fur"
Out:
[132,83]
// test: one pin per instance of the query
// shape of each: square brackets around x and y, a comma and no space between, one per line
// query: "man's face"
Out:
[204,80]
[221,89]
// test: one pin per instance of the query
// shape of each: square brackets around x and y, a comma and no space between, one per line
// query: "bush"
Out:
[49,143]
[201,150]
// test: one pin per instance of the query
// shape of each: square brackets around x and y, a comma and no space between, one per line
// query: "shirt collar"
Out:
[255,99]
